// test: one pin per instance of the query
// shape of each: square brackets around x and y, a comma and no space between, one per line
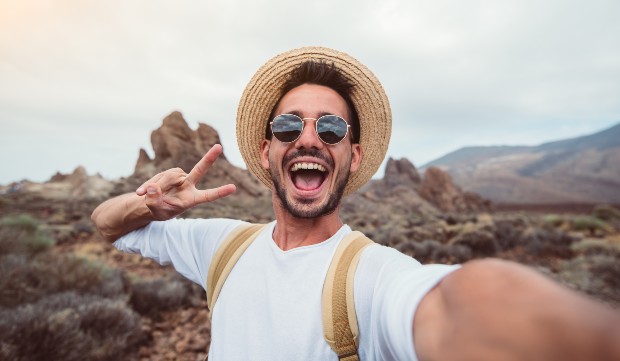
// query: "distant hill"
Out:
[579,170]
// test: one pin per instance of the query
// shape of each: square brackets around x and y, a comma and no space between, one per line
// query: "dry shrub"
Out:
[61,307]
[544,243]
[69,326]
[508,232]
[154,296]
[480,240]
[25,279]
[28,272]
[590,246]
[597,275]
[432,251]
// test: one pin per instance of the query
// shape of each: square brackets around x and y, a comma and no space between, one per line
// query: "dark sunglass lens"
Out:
[286,127]
[331,129]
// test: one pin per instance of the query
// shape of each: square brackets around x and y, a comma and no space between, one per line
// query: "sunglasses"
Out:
[331,129]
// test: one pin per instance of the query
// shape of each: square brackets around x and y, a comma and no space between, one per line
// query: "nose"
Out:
[308,138]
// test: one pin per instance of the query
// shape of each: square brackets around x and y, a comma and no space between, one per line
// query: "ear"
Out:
[264,153]
[356,157]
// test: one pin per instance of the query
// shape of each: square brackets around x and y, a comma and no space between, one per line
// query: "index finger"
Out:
[204,164]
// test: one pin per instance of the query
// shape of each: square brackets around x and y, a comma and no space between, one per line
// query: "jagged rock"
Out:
[402,185]
[437,188]
[143,162]
[175,144]
[401,172]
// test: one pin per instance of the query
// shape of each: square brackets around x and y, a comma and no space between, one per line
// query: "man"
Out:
[313,124]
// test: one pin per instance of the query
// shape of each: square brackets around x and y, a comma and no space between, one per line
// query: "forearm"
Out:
[496,310]
[121,215]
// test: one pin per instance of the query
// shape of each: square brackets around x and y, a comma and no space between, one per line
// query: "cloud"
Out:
[84,82]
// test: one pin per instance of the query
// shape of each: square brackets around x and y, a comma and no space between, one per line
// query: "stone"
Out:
[438,188]
[401,172]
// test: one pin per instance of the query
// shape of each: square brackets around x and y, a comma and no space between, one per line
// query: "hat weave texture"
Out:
[263,92]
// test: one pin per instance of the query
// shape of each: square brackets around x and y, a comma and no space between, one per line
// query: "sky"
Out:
[84,82]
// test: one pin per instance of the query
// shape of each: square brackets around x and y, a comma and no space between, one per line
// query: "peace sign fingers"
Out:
[203,165]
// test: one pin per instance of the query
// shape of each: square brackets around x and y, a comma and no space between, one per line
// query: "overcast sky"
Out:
[84,82]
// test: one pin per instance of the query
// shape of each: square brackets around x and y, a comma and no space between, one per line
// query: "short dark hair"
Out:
[325,74]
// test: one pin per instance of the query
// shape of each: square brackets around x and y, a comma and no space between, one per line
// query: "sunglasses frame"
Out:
[316,122]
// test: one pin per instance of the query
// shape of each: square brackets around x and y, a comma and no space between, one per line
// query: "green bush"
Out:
[22,234]
[588,223]
[69,326]
[606,212]
[552,220]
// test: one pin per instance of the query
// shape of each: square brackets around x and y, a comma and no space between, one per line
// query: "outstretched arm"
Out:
[498,310]
[165,196]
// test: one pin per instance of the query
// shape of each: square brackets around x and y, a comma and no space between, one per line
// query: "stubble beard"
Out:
[296,209]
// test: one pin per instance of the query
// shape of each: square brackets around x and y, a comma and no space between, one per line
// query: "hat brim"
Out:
[263,92]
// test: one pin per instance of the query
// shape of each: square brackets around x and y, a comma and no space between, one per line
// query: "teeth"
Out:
[298,166]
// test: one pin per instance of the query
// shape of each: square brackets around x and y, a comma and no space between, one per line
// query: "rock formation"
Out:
[400,172]
[175,144]
[76,186]
[402,183]
[437,188]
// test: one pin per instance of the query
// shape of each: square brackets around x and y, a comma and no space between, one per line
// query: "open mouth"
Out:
[307,176]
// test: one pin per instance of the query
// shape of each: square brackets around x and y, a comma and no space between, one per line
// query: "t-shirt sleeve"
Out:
[187,244]
[400,283]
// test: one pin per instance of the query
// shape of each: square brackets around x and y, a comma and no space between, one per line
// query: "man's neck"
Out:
[292,232]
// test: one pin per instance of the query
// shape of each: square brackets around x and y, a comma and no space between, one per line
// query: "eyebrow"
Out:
[299,114]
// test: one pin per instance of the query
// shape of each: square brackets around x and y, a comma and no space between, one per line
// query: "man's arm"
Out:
[165,196]
[498,310]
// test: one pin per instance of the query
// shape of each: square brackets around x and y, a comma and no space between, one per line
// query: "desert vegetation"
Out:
[65,294]
[55,305]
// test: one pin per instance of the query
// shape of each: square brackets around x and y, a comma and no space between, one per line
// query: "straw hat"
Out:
[263,92]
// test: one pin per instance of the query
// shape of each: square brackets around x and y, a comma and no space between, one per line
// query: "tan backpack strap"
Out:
[226,256]
[339,320]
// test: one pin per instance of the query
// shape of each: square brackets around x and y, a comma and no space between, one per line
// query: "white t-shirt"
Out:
[270,305]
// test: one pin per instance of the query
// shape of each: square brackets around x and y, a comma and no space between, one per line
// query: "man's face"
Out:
[316,191]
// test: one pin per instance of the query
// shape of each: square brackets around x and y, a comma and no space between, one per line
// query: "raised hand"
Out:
[173,191]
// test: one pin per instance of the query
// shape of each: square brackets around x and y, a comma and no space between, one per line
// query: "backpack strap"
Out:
[226,256]
[340,328]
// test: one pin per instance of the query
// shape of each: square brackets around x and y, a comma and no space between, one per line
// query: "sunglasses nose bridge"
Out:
[309,136]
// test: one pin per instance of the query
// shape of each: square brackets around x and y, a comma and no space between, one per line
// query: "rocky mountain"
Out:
[578,170]
[175,144]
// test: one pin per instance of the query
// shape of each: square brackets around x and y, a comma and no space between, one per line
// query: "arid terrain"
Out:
[580,170]
[68,295]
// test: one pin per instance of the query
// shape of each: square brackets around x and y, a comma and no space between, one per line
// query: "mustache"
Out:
[308,153]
